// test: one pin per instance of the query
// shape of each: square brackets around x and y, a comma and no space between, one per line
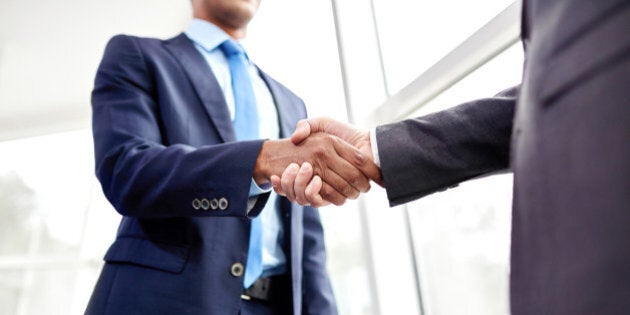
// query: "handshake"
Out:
[324,162]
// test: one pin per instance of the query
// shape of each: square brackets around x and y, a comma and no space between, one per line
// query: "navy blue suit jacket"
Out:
[163,138]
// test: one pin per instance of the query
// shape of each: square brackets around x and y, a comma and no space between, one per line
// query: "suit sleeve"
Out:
[431,153]
[139,174]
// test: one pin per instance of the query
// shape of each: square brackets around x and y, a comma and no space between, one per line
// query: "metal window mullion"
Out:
[486,43]
[365,230]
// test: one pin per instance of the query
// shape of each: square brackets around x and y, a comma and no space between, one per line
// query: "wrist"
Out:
[260,175]
[270,151]
[373,147]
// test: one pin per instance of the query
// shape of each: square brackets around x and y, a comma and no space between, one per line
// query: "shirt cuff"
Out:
[374,147]
[254,192]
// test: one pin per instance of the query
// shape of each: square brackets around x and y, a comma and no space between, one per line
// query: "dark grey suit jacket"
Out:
[565,133]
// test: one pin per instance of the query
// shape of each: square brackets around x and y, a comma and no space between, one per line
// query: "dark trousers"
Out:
[277,301]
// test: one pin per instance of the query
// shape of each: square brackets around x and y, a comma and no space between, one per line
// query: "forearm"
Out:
[144,179]
[431,153]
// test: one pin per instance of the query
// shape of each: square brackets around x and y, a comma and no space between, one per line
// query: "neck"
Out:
[236,33]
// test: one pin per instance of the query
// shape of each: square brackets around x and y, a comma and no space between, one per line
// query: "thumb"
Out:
[302,131]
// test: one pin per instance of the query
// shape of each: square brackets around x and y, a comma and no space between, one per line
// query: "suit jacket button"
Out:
[196,204]
[223,203]
[237,269]
[205,204]
[214,204]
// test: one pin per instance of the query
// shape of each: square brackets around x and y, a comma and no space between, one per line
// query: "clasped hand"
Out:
[319,184]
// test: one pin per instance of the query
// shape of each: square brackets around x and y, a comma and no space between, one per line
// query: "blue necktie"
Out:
[245,111]
[246,127]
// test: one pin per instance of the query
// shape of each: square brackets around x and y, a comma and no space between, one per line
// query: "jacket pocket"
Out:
[598,49]
[166,257]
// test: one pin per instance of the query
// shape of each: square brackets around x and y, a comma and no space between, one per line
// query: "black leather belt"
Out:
[268,289]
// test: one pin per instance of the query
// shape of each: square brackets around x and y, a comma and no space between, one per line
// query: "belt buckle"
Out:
[259,290]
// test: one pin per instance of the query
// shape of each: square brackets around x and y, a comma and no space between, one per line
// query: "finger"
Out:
[351,166]
[363,161]
[379,179]
[329,194]
[277,185]
[302,179]
[302,131]
[330,175]
[312,193]
[287,180]
[306,127]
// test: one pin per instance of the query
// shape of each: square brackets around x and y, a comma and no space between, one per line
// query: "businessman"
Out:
[178,130]
[564,132]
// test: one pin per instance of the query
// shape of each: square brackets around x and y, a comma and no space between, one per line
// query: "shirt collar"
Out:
[207,35]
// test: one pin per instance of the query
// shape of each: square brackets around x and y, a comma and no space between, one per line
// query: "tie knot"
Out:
[230,47]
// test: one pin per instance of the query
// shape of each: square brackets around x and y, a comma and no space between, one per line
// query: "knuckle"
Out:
[357,180]
[319,152]
[330,195]
[339,201]
[349,191]
[325,193]
[321,172]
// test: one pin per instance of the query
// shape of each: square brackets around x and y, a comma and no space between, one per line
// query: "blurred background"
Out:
[364,61]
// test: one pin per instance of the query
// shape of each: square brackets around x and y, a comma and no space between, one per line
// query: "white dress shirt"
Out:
[207,37]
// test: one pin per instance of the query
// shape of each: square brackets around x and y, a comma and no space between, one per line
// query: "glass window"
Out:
[46,190]
[416,34]
[461,236]
[47,194]
[498,74]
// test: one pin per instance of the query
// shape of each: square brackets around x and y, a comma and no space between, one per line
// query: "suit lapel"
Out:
[204,83]
[287,115]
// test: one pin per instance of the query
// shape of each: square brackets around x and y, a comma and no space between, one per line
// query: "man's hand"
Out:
[344,169]
[301,186]
[299,183]
[360,138]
